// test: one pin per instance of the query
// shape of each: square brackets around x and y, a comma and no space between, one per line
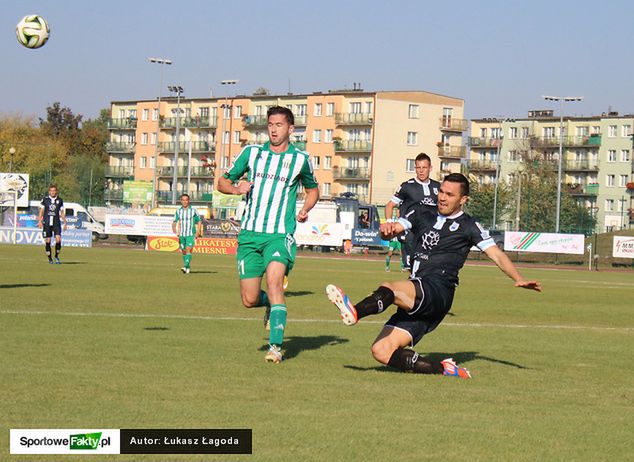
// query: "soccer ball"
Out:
[32,31]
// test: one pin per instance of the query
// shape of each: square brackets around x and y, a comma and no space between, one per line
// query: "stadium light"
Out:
[162,62]
[11,153]
[179,91]
[561,100]
[224,108]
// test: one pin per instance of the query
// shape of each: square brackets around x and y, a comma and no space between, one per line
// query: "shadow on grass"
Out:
[17,286]
[156,328]
[293,346]
[73,263]
[204,272]
[298,293]
[460,358]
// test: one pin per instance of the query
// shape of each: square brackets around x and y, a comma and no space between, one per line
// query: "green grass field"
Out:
[119,338]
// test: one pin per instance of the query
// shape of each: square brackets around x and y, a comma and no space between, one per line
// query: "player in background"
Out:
[187,226]
[418,190]
[50,219]
[443,240]
[266,245]
[394,246]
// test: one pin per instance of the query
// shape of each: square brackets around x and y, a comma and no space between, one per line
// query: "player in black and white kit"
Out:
[420,190]
[443,240]
[50,220]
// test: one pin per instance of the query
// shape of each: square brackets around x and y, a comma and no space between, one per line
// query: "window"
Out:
[146,114]
[582,131]
[225,137]
[153,139]
[224,163]
[595,130]
[625,155]
[317,111]
[330,109]
[316,162]
[236,136]
[301,110]
[328,162]
[152,162]
[512,156]
[214,113]
[325,189]
[609,205]
[513,133]
[612,155]
[155,114]
[259,110]
[549,132]
[355,108]
[328,136]
[143,163]
[354,134]
[226,111]
[368,107]
[412,139]
[144,138]
[524,133]
[626,131]
[204,112]
[412,112]
[609,180]
[496,133]
[483,133]
[237,112]
[410,165]
[316,136]
[612,131]
[623,180]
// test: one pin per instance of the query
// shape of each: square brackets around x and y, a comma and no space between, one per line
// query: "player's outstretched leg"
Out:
[342,302]
[451,368]
[375,303]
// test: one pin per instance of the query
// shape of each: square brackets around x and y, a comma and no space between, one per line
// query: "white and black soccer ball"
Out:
[32,31]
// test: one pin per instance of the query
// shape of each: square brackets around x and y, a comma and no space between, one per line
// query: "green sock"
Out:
[387,262]
[278,322]
[188,260]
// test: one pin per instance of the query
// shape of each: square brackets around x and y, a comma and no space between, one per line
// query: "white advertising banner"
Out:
[328,234]
[18,182]
[623,247]
[139,225]
[544,242]
[70,441]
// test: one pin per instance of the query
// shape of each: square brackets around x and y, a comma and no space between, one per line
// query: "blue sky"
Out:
[500,56]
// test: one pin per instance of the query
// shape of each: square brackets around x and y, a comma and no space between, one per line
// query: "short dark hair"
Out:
[290,118]
[459,178]
[52,185]
[422,156]
[185,195]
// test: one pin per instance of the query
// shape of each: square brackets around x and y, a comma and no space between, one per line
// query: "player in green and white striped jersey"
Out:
[187,226]
[266,244]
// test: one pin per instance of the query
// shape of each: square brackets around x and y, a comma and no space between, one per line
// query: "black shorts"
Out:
[49,230]
[408,243]
[433,301]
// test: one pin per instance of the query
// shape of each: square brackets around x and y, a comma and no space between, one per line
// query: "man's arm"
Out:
[506,265]
[389,210]
[226,186]
[62,214]
[40,216]
[390,229]
[312,196]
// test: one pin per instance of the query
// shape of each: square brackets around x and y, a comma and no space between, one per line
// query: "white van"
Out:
[76,217]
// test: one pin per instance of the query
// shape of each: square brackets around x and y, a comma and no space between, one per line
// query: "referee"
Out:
[50,218]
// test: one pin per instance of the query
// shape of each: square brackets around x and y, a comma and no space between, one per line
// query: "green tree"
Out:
[481,200]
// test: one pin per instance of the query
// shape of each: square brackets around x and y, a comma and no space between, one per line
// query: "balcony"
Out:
[351,173]
[353,146]
[120,147]
[183,146]
[119,172]
[166,196]
[476,142]
[122,124]
[581,165]
[582,189]
[194,172]
[256,121]
[482,165]
[449,124]
[452,152]
[113,195]
[350,118]
[188,122]
[300,120]
[582,141]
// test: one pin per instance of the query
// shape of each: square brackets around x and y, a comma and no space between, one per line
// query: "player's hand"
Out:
[302,216]
[532,285]
[65,227]
[388,229]
[244,187]
[39,224]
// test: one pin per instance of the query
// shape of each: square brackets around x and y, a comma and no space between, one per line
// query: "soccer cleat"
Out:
[187,270]
[57,261]
[285,283]
[50,261]
[184,270]
[274,355]
[451,368]
[267,317]
[341,300]
[387,269]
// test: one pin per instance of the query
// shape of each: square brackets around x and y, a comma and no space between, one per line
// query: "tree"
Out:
[60,121]
[481,200]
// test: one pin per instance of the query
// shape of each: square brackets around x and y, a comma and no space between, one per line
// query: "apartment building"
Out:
[360,142]
[597,168]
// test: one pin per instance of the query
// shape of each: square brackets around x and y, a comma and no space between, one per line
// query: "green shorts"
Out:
[257,250]
[395,246]
[186,241]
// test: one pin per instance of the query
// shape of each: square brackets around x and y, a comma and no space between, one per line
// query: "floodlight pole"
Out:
[179,91]
[224,107]
[162,62]
[561,100]
[11,153]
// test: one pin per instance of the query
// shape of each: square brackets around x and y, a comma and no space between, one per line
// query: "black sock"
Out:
[58,247]
[47,246]
[375,303]
[409,361]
